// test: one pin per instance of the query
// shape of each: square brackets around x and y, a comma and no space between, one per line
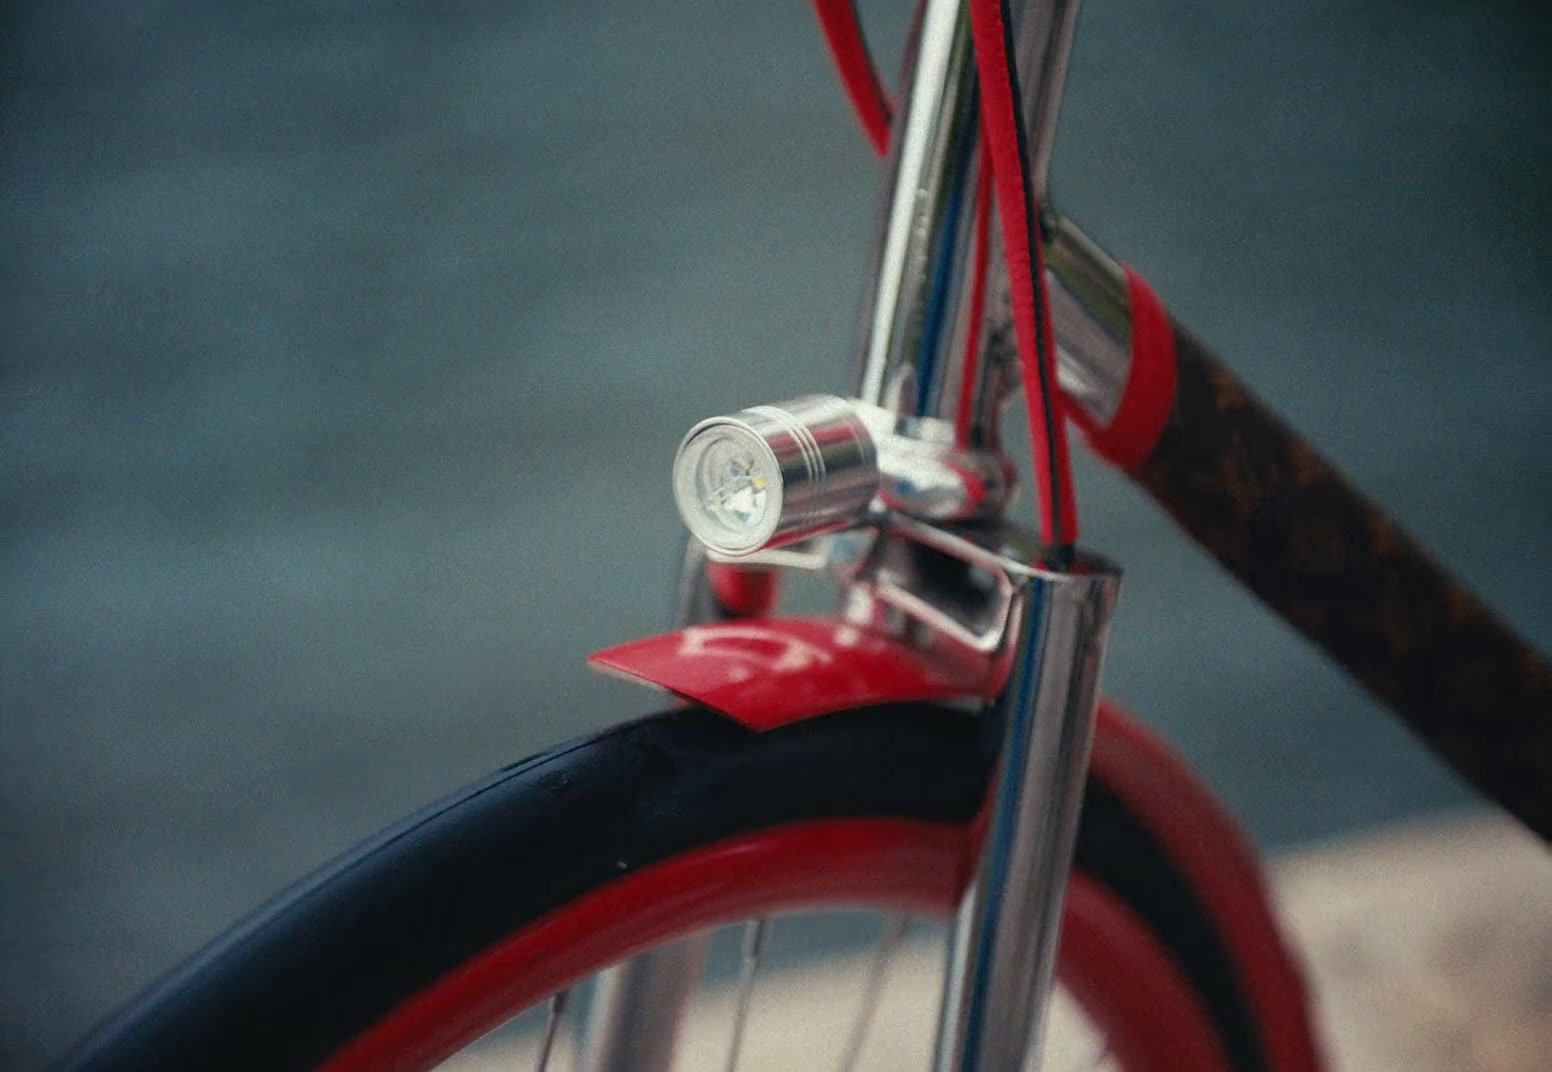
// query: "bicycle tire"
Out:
[305,978]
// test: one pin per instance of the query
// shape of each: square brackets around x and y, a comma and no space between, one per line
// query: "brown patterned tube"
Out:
[1310,546]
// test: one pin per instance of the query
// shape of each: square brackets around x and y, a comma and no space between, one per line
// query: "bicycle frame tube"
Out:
[921,258]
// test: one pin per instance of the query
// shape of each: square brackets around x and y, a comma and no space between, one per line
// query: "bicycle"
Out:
[840,740]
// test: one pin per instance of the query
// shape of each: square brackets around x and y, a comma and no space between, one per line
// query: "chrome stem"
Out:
[916,321]
[925,236]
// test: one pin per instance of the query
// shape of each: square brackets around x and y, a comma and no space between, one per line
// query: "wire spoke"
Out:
[873,989]
[755,934]
[552,1018]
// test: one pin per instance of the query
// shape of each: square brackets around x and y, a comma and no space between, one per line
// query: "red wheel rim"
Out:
[1121,976]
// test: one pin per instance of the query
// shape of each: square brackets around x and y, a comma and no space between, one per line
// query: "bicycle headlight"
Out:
[770,475]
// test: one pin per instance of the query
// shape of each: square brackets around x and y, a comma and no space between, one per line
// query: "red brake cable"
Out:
[1003,126]
[843,32]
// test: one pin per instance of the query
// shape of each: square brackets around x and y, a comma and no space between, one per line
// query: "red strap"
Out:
[1150,387]
[843,33]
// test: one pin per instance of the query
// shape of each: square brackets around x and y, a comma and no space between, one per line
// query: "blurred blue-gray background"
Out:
[345,346]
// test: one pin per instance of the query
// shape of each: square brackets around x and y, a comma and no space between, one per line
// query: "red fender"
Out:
[768,672]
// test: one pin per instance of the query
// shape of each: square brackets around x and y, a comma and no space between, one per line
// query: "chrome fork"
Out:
[1005,939]
[1047,631]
